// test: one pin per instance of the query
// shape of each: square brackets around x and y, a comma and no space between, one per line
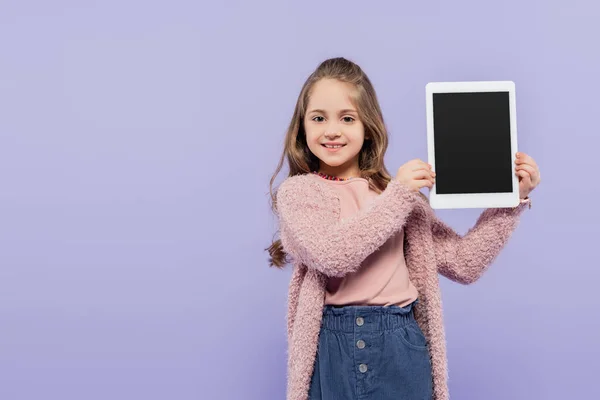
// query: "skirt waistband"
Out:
[367,318]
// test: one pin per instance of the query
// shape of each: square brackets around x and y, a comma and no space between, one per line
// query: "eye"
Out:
[348,119]
[318,118]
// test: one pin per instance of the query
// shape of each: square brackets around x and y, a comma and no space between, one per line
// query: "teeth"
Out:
[337,146]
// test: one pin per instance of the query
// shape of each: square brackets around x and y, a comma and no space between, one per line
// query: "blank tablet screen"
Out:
[472,142]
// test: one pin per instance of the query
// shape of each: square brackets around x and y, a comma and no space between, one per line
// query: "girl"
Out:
[364,310]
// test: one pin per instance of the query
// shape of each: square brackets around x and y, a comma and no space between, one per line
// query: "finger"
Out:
[523,158]
[523,162]
[525,177]
[419,164]
[419,167]
[423,174]
[532,171]
[424,183]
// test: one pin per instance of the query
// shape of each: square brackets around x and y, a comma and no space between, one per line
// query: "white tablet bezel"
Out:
[473,200]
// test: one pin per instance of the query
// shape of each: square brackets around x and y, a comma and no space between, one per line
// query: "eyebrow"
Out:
[344,111]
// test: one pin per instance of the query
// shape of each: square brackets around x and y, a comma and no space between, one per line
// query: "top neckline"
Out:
[356,179]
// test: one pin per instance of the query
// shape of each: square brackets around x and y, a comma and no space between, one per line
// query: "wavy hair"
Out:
[301,160]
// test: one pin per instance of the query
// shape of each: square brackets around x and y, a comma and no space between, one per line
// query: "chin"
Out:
[333,161]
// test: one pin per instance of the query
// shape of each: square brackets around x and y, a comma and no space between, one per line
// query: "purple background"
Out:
[136,144]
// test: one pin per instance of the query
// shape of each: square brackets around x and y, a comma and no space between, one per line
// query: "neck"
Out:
[342,172]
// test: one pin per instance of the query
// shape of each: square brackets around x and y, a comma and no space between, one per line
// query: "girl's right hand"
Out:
[416,174]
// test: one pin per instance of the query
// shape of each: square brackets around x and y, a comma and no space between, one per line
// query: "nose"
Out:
[332,133]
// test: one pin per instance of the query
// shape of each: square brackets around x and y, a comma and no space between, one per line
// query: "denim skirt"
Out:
[371,352]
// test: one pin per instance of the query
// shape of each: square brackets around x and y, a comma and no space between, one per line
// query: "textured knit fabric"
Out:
[322,245]
[371,352]
[383,277]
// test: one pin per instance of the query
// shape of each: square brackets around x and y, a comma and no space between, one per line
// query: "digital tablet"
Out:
[472,144]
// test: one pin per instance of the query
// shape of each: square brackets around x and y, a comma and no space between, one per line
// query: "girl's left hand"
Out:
[528,172]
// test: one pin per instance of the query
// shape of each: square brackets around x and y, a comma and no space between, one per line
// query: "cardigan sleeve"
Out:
[312,233]
[464,259]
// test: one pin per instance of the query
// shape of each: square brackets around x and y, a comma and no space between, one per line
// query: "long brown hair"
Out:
[301,160]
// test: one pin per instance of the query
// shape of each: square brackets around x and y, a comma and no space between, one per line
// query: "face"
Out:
[334,132]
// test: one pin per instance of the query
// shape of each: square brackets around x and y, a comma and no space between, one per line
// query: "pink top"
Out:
[382,278]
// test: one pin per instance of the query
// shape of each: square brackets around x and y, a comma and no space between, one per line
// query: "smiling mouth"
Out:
[337,146]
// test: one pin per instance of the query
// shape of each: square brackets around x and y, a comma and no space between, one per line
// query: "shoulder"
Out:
[305,188]
[302,185]
[297,181]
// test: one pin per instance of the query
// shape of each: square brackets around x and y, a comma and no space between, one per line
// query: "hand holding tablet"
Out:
[416,174]
[472,146]
[528,173]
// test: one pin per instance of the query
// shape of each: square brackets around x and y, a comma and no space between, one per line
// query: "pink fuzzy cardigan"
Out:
[322,245]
